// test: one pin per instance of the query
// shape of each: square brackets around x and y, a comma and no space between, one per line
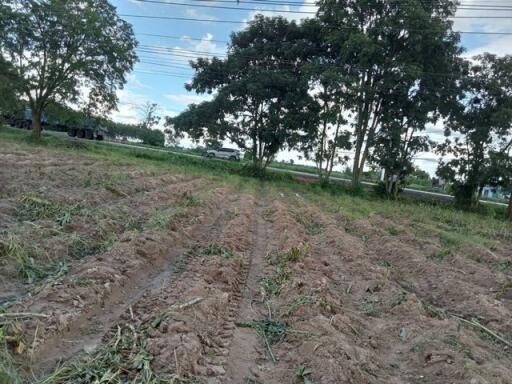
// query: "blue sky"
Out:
[166,54]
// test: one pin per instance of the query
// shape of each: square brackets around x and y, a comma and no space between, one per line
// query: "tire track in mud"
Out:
[87,330]
[195,342]
[18,294]
[243,352]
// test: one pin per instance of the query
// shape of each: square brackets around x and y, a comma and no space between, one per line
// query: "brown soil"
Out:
[204,263]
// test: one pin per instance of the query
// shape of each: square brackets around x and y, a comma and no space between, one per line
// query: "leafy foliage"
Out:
[260,95]
[483,124]
[58,47]
[383,51]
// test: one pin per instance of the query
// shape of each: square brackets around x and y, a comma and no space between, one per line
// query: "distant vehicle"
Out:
[89,131]
[224,153]
[24,120]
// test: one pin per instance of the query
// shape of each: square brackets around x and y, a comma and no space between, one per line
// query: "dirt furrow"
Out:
[194,342]
[243,351]
[382,329]
[155,255]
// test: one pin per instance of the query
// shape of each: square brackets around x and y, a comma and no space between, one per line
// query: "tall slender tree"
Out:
[382,47]
[325,143]
[58,47]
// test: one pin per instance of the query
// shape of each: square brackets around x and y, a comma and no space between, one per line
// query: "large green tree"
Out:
[382,48]
[261,100]
[406,113]
[61,47]
[482,126]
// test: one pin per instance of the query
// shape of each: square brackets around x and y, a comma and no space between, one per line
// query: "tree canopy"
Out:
[482,123]
[383,50]
[59,49]
[261,100]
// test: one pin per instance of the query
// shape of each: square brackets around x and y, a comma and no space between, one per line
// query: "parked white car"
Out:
[224,153]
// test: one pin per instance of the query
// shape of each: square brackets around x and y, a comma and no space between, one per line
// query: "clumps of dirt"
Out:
[86,299]
[377,309]
[53,226]
[304,289]
[193,318]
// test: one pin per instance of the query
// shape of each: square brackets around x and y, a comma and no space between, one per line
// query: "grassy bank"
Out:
[359,203]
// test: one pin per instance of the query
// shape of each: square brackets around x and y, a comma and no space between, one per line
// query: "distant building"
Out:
[490,192]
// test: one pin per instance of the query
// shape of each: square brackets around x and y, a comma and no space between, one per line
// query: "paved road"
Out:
[336,180]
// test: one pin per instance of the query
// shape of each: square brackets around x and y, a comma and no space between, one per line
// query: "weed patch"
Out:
[302,372]
[29,266]
[219,250]
[393,231]
[109,181]
[189,199]
[82,246]
[504,266]
[273,330]
[124,359]
[162,219]
[453,341]
[311,226]
[32,208]
[433,311]
[281,274]
[304,300]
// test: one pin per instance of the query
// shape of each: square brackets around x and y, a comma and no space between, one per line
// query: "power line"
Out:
[298,11]
[285,64]
[225,7]
[162,73]
[183,38]
[340,27]
[164,65]
[180,50]
[313,4]
[185,19]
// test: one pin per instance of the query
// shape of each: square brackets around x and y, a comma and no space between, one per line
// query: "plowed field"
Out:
[111,272]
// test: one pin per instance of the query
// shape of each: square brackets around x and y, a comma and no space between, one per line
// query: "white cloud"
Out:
[278,11]
[501,45]
[139,4]
[194,13]
[133,82]
[206,44]
[477,21]
[186,99]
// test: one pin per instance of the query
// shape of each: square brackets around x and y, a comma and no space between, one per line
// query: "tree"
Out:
[498,172]
[483,126]
[261,99]
[149,116]
[59,47]
[326,141]
[149,120]
[382,47]
[406,113]
[329,138]
[153,137]
[9,87]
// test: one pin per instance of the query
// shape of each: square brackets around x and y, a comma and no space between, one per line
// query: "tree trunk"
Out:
[355,168]
[509,209]
[475,199]
[480,190]
[36,123]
